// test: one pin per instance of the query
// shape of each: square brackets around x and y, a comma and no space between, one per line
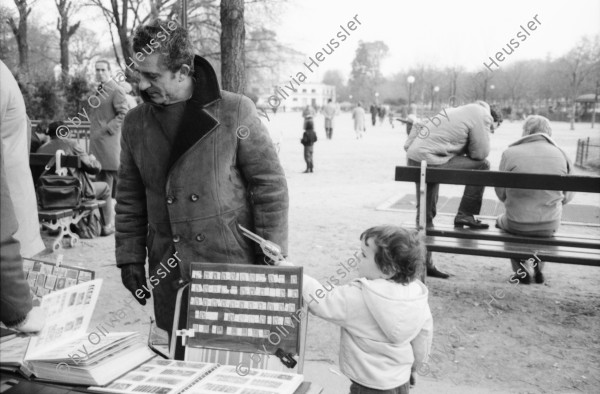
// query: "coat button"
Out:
[194,197]
[200,237]
[176,238]
[170,200]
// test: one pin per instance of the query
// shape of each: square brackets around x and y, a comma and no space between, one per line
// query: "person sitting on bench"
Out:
[89,165]
[529,212]
[457,139]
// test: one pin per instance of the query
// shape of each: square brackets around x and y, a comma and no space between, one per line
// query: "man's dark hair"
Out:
[53,127]
[105,61]
[176,49]
[397,250]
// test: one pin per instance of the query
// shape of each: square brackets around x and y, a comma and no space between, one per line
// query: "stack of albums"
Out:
[64,352]
[174,377]
[44,277]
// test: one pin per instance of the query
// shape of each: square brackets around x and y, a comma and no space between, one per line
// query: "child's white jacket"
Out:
[383,324]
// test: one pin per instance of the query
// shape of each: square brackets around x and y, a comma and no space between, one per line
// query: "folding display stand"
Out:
[244,361]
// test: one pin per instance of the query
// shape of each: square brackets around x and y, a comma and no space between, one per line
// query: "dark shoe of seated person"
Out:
[539,277]
[471,222]
[107,230]
[434,272]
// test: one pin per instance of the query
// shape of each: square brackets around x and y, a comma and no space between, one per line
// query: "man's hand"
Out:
[34,322]
[133,277]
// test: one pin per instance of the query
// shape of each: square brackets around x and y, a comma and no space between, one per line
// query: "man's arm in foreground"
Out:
[131,222]
[267,186]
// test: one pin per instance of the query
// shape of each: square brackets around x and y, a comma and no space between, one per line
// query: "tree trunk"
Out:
[233,34]
[62,25]
[20,32]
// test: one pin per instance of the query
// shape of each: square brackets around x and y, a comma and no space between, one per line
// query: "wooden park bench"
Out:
[61,219]
[561,248]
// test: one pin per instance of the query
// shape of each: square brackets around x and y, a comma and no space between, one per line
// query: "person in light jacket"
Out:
[386,324]
[456,138]
[531,212]
[14,136]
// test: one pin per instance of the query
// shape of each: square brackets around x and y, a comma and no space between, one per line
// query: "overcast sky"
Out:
[442,33]
[438,32]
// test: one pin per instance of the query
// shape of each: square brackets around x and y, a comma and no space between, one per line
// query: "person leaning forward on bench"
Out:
[461,141]
[533,213]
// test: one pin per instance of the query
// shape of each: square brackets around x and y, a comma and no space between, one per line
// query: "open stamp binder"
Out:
[246,316]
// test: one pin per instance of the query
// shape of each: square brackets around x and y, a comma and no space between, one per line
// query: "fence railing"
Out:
[587,152]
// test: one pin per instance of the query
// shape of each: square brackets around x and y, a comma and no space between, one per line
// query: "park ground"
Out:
[539,338]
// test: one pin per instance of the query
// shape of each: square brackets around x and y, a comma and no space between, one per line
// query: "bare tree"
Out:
[20,32]
[83,47]
[233,34]
[65,11]
[578,65]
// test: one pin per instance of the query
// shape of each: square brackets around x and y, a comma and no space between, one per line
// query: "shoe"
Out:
[539,277]
[522,281]
[434,272]
[471,222]
[107,230]
[305,171]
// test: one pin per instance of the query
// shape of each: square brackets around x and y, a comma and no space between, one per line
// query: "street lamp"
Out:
[436,89]
[492,87]
[376,98]
[410,81]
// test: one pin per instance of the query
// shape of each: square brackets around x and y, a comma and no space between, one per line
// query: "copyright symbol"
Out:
[63,368]
[242,369]
[423,132]
[242,132]
[423,369]
[62,131]
[454,101]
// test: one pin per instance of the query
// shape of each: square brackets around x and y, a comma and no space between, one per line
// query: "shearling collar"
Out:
[206,85]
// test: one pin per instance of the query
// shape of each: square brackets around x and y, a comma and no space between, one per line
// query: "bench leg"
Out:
[63,226]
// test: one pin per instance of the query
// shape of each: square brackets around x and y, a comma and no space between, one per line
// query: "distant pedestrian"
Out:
[330,111]
[308,111]
[381,111]
[358,114]
[105,128]
[308,140]
[373,110]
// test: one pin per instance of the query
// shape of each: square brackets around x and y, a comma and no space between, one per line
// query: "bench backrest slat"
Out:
[573,183]
[41,159]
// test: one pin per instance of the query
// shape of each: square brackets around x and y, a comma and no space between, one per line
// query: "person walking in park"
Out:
[196,162]
[533,213]
[458,138]
[358,115]
[106,116]
[308,140]
[373,111]
[329,111]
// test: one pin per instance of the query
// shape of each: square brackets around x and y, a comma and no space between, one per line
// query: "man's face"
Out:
[102,72]
[162,85]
